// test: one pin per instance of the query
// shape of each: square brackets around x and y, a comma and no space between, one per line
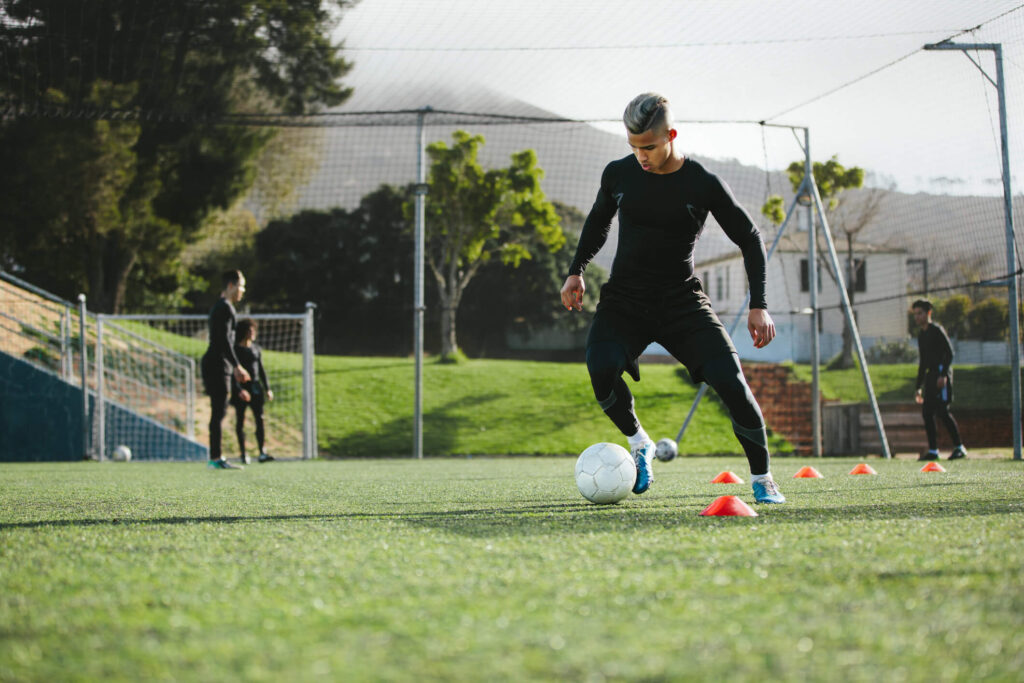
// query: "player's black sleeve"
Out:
[742,230]
[222,333]
[596,227]
[258,353]
[935,353]
[921,369]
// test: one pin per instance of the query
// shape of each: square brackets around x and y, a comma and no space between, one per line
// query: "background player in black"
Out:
[935,381]
[253,393]
[663,200]
[220,364]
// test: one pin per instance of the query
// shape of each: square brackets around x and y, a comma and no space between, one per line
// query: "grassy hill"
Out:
[365,407]
[498,407]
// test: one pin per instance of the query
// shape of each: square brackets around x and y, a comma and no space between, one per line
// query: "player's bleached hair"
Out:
[647,111]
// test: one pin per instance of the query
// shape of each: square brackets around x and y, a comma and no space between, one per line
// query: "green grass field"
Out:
[496,569]
[499,407]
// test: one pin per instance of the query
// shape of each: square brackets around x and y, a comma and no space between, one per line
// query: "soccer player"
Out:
[250,394]
[935,381]
[220,363]
[663,199]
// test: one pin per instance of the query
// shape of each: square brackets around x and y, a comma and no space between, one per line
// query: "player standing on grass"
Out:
[935,381]
[220,363]
[663,199]
[251,394]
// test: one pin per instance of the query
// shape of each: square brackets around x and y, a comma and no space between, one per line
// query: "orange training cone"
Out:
[863,468]
[808,473]
[728,506]
[933,467]
[726,478]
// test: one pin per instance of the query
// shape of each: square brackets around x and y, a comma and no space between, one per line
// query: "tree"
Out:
[475,215]
[117,152]
[845,218]
[357,266]
[501,301]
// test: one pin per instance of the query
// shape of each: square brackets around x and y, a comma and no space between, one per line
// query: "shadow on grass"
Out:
[441,427]
[579,517]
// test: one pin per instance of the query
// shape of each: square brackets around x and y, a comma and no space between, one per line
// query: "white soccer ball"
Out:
[605,473]
[122,453]
[666,449]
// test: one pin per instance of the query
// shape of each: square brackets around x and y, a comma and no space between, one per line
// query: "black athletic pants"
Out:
[939,409]
[218,386]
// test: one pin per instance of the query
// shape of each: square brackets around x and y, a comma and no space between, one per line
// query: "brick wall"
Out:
[786,405]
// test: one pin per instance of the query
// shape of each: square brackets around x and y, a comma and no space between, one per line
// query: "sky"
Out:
[853,73]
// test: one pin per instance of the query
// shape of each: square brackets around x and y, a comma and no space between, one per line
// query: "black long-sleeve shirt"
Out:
[661,217]
[251,358]
[221,351]
[935,356]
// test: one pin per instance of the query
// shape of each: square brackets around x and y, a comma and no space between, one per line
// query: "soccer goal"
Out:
[288,349]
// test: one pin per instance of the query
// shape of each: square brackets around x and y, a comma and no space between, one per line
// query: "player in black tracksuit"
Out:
[935,381]
[251,394]
[663,200]
[219,363]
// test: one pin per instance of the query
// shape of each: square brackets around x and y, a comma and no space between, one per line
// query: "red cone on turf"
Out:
[933,467]
[863,468]
[808,473]
[727,477]
[728,506]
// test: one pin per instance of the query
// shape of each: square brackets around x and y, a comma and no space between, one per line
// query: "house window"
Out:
[860,283]
[718,285]
[727,282]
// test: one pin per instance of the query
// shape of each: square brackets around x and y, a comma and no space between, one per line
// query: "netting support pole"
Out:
[805,197]
[84,352]
[101,420]
[309,431]
[417,306]
[850,320]
[1011,253]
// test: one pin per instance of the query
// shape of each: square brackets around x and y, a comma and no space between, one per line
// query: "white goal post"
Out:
[179,341]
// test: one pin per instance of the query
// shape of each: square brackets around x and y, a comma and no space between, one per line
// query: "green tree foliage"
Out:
[117,153]
[988,319]
[523,301]
[357,266]
[952,314]
[475,215]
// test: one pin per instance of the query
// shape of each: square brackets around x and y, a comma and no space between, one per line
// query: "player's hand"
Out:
[244,395]
[940,381]
[572,292]
[761,327]
[918,397]
[270,395]
[241,374]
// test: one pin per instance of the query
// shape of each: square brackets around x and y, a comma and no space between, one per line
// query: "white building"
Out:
[880,311]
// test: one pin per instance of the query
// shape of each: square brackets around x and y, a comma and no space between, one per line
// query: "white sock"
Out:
[933,451]
[639,438]
[760,477]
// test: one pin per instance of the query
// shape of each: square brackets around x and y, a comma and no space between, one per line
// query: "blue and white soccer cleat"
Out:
[643,455]
[767,491]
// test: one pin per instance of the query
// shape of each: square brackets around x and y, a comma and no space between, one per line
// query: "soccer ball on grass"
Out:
[605,473]
[122,453]
[665,450]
